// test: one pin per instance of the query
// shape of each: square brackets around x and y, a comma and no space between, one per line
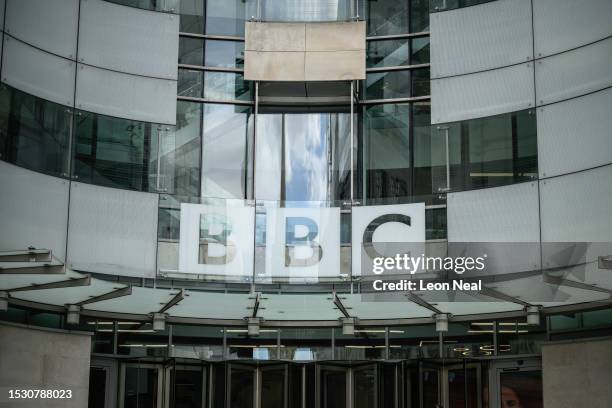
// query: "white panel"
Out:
[48,24]
[486,36]
[128,39]
[482,94]
[574,73]
[112,231]
[37,72]
[500,214]
[575,134]
[577,207]
[126,96]
[560,25]
[34,210]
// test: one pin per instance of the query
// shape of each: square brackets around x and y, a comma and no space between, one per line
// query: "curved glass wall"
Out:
[34,133]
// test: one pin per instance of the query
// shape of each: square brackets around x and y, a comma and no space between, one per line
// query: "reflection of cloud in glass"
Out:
[306,157]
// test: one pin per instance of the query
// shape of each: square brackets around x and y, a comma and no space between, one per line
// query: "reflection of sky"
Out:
[306,161]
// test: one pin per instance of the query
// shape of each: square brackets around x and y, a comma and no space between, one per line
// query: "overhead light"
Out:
[533,315]
[73,314]
[348,326]
[442,322]
[253,326]
[159,321]
[4,301]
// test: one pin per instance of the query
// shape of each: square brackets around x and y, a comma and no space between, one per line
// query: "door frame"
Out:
[160,381]
[109,365]
[499,366]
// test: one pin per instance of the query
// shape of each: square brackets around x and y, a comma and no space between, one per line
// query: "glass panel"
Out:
[200,342]
[420,82]
[224,54]
[364,390]
[114,152]
[386,151]
[226,17]
[435,222]
[305,344]
[190,83]
[365,344]
[387,85]
[387,53]
[192,16]
[387,17]
[315,165]
[97,388]
[175,159]
[191,51]
[419,52]
[419,16]
[273,387]
[224,150]
[226,86]
[597,318]
[412,342]
[241,393]
[241,345]
[457,397]
[140,388]
[517,337]
[187,390]
[34,133]
[306,10]
[140,340]
[431,387]
[333,388]
[522,389]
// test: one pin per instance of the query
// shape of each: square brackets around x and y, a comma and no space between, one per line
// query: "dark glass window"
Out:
[419,51]
[387,53]
[386,151]
[190,83]
[387,17]
[420,82]
[224,54]
[224,150]
[113,152]
[419,16]
[226,17]
[484,152]
[34,133]
[441,5]
[226,86]
[192,16]
[191,51]
[140,387]
[386,85]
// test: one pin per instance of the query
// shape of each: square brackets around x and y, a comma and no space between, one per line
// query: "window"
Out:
[387,17]
[226,17]
[224,54]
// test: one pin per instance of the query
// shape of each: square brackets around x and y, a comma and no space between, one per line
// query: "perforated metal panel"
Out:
[561,25]
[482,94]
[34,210]
[126,96]
[38,72]
[574,73]
[47,24]
[128,39]
[576,207]
[112,231]
[575,134]
[486,36]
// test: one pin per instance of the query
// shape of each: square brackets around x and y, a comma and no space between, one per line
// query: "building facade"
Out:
[192,191]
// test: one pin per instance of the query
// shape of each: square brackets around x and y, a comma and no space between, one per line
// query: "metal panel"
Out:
[34,210]
[128,39]
[576,207]
[486,36]
[574,73]
[49,25]
[37,72]
[112,231]
[2,6]
[574,135]
[560,25]
[500,214]
[126,96]
[482,94]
